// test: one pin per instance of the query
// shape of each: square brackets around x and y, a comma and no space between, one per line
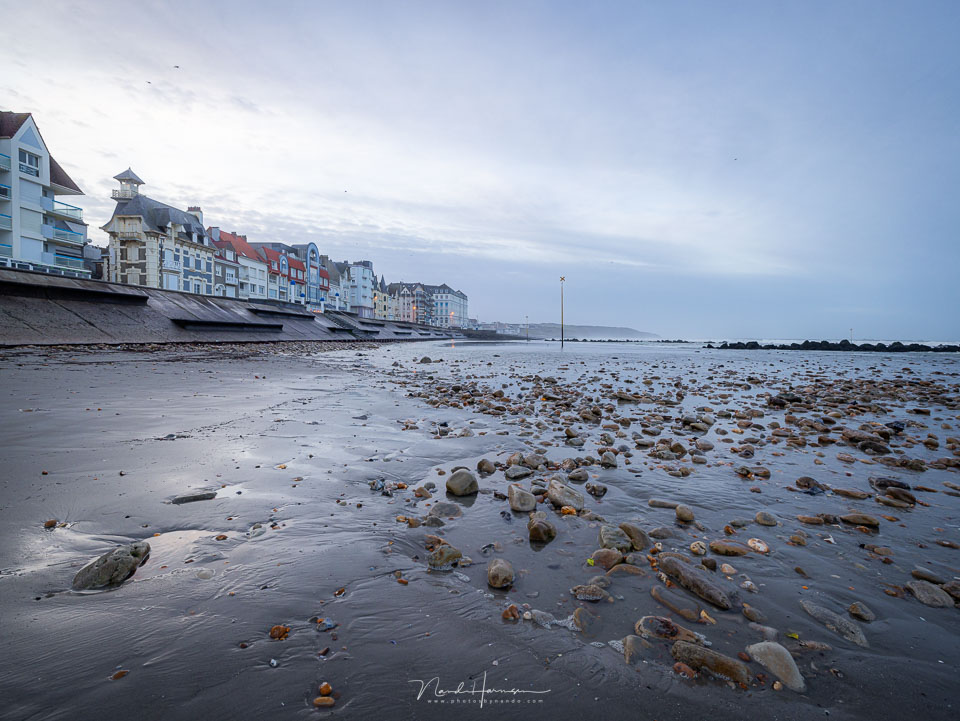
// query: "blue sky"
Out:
[696,169]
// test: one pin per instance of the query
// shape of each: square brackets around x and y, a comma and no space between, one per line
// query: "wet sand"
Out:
[101,441]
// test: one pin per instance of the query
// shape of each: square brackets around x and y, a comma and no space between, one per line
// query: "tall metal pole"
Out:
[528,327]
[561,311]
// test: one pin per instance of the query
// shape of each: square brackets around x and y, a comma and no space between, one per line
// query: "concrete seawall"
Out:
[41,309]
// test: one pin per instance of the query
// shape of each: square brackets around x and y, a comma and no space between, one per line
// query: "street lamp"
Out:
[562,279]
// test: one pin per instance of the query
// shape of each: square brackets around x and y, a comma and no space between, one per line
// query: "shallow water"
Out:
[336,421]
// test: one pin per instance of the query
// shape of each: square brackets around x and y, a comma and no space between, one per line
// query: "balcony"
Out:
[231,279]
[174,265]
[6,250]
[66,210]
[4,162]
[67,236]
[6,222]
[4,192]
[73,263]
[123,194]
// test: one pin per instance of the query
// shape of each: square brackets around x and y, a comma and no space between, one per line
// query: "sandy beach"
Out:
[803,501]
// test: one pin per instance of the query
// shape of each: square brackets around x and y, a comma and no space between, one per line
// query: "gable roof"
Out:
[239,244]
[10,123]
[58,176]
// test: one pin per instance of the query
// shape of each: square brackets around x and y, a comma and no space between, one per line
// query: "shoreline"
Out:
[325,471]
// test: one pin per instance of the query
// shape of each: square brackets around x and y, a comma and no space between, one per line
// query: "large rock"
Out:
[684,513]
[930,595]
[521,500]
[699,657]
[638,537]
[695,581]
[778,661]
[444,557]
[462,483]
[515,473]
[850,630]
[540,529]
[578,475]
[608,460]
[485,466]
[445,509]
[534,461]
[613,537]
[113,567]
[499,573]
[561,495]
[724,547]
[860,519]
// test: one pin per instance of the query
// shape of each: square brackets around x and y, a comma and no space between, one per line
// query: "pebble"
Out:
[499,573]
[778,661]
[861,611]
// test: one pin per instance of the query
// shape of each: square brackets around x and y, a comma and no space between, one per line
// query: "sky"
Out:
[693,169]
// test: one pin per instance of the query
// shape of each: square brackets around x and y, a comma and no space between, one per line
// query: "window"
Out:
[209,266]
[196,288]
[198,265]
[123,254]
[29,163]
[143,253]
[209,289]
[273,264]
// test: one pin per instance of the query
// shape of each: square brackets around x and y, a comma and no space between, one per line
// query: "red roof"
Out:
[296,263]
[273,257]
[238,243]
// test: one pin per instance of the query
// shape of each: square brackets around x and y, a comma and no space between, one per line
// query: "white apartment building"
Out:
[37,231]
[363,283]
[449,307]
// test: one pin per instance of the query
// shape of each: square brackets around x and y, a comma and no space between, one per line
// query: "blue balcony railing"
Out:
[5,192]
[70,211]
[67,236]
[4,162]
[6,222]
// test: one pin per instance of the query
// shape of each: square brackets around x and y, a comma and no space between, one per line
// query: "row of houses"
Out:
[155,245]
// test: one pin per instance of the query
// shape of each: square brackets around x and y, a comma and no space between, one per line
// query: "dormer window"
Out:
[29,163]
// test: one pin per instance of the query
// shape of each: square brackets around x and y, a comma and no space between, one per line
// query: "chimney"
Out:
[195,211]
[214,232]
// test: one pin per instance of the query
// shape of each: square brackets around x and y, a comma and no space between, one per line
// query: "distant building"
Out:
[362,283]
[318,280]
[252,277]
[339,282]
[226,272]
[381,301]
[155,245]
[437,305]
[37,231]
[449,307]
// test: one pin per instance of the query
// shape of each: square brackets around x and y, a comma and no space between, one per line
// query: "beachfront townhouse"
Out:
[338,295]
[37,231]
[294,284]
[252,270]
[362,283]
[226,272]
[415,302]
[155,245]
[381,301]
